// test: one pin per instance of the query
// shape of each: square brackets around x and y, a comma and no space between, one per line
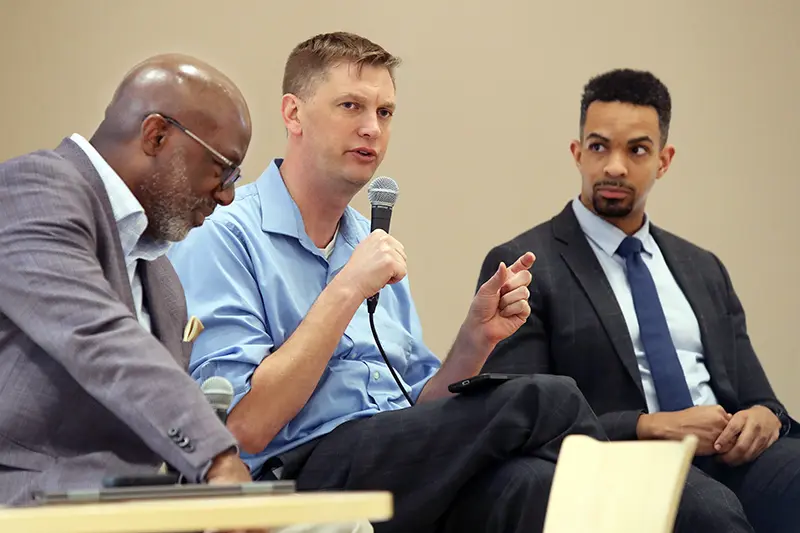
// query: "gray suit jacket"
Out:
[85,391]
[577,329]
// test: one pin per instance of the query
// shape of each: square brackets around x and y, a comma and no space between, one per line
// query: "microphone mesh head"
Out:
[383,191]
[218,391]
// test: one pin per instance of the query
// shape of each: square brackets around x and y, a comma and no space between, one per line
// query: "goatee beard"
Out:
[610,208]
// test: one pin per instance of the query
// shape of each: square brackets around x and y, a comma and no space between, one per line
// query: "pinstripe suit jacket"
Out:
[577,329]
[85,392]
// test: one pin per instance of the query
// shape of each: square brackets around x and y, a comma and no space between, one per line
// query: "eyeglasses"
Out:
[232,172]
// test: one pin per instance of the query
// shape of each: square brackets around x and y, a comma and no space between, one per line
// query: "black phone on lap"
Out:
[481,382]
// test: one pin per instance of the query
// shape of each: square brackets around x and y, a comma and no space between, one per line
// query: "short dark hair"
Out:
[311,59]
[637,87]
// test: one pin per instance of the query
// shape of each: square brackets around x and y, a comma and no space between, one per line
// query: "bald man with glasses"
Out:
[93,370]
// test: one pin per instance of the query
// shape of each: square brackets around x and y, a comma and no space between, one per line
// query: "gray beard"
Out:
[171,202]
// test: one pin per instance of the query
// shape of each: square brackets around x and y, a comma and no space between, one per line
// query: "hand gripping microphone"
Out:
[383,192]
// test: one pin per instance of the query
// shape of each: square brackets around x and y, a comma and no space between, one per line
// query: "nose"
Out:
[370,128]
[224,196]
[615,166]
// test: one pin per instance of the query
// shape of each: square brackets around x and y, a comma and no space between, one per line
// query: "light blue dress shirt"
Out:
[605,238]
[251,273]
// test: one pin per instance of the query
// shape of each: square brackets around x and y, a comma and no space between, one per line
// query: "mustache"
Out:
[620,184]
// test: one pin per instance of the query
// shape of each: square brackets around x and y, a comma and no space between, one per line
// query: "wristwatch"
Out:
[786,422]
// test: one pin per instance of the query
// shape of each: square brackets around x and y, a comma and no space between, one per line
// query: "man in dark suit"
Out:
[93,378]
[649,325]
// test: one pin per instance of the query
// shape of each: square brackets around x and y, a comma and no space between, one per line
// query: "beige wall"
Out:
[488,101]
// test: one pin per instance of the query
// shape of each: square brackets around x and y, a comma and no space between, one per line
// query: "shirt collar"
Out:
[128,212]
[280,214]
[606,235]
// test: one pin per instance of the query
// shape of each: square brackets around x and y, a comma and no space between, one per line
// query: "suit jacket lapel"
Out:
[581,260]
[160,300]
[118,278]
[694,288]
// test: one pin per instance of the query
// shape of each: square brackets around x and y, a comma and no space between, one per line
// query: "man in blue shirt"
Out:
[649,325]
[281,285]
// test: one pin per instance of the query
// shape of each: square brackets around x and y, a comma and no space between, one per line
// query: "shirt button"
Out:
[376,375]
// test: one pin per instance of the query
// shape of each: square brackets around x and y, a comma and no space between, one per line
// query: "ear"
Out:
[290,111]
[665,160]
[153,135]
[577,150]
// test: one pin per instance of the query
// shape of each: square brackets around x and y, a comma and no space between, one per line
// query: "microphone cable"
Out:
[372,304]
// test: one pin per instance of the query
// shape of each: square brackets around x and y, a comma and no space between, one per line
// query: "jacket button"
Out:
[174,432]
[184,442]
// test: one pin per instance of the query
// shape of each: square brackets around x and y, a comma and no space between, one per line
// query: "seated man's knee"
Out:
[709,506]
[549,383]
[549,388]
[558,384]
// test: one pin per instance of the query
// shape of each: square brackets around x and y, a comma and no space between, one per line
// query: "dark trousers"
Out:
[765,493]
[480,462]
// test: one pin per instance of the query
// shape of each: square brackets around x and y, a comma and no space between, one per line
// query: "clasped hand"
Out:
[736,439]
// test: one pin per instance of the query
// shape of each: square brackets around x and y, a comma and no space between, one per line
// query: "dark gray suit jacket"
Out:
[577,329]
[85,391]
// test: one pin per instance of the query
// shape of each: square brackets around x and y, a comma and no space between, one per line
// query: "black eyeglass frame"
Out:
[230,175]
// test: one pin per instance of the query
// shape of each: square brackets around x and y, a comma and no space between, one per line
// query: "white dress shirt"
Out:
[131,223]
[605,238]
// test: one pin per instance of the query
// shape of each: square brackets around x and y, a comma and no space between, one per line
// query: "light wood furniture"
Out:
[199,514]
[618,487]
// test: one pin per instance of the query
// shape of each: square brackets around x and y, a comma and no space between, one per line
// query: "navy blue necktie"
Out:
[668,378]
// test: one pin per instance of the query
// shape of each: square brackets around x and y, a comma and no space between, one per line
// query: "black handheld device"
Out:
[481,382]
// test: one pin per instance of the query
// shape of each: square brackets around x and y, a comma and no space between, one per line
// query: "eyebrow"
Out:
[635,140]
[232,154]
[597,136]
[357,97]
[236,159]
[642,139]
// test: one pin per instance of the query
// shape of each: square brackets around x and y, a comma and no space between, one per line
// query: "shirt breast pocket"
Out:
[358,341]
[395,340]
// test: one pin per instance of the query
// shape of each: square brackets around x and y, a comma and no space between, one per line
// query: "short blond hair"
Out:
[310,60]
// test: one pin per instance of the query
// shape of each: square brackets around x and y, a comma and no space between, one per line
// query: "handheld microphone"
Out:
[219,393]
[383,193]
